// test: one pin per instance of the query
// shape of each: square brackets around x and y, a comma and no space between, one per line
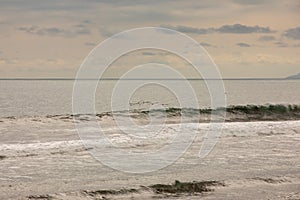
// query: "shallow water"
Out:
[46,157]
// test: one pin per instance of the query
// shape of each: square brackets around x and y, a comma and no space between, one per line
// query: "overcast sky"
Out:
[245,38]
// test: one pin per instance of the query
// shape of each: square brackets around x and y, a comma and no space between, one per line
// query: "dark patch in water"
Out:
[109,192]
[270,180]
[11,117]
[186,187]
[30,155]
[40,197]
[176,189]
[2,157]
[61,152]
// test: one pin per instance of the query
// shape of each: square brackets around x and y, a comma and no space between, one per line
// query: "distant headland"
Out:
[297,76]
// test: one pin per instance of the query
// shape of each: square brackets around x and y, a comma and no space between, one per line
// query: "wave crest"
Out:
[271,112]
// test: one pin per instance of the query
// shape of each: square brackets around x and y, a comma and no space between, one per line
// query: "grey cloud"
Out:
[54,31]
[204,44]
[90,44]
[281,44]
[81,32]
[266,38]
[130,2]
[243,29]
[296,45]
[100,12]
[250,2]
[41,6]
[165,30]
[79,26]
[187,29]
[233,29]
[107,32]
[148,54]
[71,5]
[87,21]
[243,44]
[293,33]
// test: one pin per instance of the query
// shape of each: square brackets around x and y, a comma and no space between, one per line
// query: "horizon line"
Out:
[136,79]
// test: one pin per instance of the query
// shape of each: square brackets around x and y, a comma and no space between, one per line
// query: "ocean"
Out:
[54,97]
[47,152]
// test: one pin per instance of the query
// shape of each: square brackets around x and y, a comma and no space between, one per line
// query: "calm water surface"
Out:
[41,97]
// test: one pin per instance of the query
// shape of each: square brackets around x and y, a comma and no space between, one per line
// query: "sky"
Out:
[245,38]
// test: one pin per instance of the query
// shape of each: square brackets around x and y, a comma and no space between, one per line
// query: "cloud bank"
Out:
[241,44]
[232,29]
[267,38]
[54,31]
[293,33]
[243,29]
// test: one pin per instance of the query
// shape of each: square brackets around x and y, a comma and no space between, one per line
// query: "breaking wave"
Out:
[277,112]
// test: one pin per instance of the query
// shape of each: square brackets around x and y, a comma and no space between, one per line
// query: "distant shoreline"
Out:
[296,76]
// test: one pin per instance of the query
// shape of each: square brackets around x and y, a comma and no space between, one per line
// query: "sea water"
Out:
[54,97]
